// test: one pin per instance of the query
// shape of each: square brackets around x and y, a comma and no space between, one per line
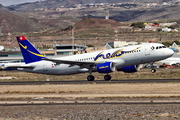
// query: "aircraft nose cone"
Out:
[169,52]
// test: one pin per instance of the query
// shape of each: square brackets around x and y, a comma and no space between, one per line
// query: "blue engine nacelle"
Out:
[105,67]
[130,69]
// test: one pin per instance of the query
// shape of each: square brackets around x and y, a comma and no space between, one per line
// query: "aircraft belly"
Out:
[132,62]
[63,70]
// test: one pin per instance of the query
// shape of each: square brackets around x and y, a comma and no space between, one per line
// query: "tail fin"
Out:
[29,52]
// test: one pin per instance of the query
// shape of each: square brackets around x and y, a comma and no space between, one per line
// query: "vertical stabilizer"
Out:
[29,52]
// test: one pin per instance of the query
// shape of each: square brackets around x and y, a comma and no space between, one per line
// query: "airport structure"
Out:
[117,44]
[69,49]
[59,50]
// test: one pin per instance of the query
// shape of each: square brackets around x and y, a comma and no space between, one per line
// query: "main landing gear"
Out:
[107,77]
[91,77]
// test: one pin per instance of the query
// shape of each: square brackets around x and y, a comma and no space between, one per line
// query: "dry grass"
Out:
[142,74]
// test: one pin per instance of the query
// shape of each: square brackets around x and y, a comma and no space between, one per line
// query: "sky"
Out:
[13,2]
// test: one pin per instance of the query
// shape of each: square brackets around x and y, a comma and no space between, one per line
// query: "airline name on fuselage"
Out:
[115,54]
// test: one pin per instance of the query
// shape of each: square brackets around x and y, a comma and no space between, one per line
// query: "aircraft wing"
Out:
[68,61]
[82,63]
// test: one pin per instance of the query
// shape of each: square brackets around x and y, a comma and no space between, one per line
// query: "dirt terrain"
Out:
[134,101]
[93,101]
[90,91]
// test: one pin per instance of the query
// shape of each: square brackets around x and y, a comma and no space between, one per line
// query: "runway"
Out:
[36,103]
[81,99]
[90,82]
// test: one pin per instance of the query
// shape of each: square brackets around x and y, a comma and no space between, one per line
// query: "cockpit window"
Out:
[159,47]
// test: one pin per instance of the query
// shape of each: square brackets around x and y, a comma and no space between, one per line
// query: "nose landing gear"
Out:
[153,70]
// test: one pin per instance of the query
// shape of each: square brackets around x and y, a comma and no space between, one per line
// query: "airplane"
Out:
[127,59]
[173,60]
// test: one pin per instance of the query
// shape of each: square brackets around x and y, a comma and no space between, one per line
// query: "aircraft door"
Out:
[147,49]
[45,66]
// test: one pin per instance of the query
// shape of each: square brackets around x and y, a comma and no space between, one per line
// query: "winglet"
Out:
[29,52]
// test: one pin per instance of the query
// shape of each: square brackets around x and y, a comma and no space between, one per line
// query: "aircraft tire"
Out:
[90,78]
[153,70]
[107,77]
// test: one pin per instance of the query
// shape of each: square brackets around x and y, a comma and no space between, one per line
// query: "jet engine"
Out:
[106,67]
[130,69]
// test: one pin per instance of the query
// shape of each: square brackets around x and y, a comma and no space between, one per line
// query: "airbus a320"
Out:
[126,59]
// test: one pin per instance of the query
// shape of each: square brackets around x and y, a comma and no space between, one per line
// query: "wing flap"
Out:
[68,61]
[85,64]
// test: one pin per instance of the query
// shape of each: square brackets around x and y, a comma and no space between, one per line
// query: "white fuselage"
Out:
[125,56]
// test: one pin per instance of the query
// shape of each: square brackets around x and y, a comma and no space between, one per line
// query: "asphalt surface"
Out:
[89,82]
[141,102]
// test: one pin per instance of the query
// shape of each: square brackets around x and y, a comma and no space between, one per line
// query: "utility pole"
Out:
[73,40]
[116,34]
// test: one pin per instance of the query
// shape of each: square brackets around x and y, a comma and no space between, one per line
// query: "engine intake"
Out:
[105,67]
[130,69]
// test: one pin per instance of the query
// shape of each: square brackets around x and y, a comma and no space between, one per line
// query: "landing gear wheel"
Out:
[107,77]
[90,78]
[153,70]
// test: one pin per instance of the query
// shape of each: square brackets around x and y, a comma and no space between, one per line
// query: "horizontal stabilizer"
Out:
[17,67]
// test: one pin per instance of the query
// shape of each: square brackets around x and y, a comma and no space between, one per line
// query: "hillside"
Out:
[119,14]
[35,21]
[2,8]
[87,23]
[50,4]
[87,27]
[165,13]
[15,23]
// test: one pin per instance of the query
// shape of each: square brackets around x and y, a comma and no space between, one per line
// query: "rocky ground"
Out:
[91,112]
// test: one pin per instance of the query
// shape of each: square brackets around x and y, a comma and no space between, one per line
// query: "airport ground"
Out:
[91,100]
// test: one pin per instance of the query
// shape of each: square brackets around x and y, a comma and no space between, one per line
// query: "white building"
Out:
[117,44]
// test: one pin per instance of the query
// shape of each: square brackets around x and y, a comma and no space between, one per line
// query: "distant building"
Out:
[59,50]
[166,29]
[68,49]
[117,44]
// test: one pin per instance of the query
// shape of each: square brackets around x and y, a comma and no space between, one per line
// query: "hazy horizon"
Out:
[14,2]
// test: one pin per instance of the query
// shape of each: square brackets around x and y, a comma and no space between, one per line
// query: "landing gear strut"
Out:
[153,70]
